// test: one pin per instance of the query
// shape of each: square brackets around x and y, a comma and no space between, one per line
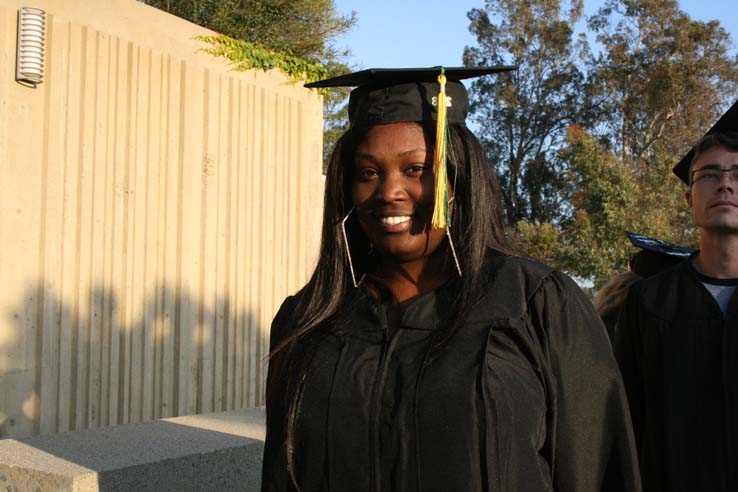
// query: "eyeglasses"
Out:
[713,175]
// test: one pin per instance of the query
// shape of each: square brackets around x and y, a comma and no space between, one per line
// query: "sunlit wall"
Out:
[155,208]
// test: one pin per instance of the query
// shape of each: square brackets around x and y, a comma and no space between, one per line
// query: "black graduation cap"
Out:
[656,255]
[727,122]
[392,95]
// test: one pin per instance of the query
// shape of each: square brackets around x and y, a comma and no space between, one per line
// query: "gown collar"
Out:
[426,312]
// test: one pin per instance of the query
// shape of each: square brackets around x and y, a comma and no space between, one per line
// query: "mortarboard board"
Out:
[655,255]
[395,95]
[727,122]
[392,95]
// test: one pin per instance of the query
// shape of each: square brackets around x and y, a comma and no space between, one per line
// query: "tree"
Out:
[523,116]
[606,203]
[661,78]
[607,199]
[302,28]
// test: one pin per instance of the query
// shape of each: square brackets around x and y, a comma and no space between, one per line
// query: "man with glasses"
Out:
[677,338]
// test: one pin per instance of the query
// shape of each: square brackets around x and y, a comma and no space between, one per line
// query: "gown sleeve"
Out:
[280,325]
[590,439]
[274,467]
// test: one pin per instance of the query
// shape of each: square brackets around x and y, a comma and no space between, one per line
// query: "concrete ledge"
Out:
[217,451]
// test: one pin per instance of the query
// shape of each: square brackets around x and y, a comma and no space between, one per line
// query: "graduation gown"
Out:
[679,359]
[525,397]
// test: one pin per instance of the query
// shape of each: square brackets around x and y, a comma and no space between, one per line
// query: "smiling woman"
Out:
[392,189]
[407,363]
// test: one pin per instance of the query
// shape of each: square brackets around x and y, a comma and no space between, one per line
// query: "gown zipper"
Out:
[375,403]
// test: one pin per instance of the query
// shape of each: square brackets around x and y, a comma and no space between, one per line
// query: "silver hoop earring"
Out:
[348,250]
[453,250]
[451,243]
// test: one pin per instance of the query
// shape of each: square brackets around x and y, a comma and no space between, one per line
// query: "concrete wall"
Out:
[155,208]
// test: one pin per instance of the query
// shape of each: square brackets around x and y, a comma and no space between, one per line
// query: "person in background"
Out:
[609,299]
[655,255]
[422,355]
[677,338]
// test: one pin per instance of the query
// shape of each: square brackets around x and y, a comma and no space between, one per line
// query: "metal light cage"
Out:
[29,66]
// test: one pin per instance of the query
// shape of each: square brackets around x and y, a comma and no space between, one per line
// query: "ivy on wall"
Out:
[248,56]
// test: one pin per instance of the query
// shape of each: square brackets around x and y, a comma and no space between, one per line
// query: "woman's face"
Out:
[392,187]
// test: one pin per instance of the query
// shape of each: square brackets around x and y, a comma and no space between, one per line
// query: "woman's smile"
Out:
[396,220]
[396,223]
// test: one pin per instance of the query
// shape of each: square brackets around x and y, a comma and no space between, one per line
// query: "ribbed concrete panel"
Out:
[155,209]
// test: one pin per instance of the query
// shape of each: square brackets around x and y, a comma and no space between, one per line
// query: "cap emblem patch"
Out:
[434,101]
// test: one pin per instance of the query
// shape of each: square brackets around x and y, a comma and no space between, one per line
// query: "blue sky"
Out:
[417,33]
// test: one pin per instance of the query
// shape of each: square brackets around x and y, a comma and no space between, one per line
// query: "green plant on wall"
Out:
[248,56]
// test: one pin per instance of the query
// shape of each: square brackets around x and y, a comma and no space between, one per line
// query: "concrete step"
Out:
[211,452]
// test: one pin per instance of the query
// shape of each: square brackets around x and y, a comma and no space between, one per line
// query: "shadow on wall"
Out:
[105,358]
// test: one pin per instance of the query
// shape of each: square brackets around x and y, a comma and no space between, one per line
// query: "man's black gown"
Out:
[679,359]
[525,397]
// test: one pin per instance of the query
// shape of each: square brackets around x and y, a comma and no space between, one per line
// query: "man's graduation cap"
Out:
[727,122]
[394,95]
[655,255]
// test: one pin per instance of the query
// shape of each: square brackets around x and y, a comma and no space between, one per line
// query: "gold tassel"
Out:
[440,210]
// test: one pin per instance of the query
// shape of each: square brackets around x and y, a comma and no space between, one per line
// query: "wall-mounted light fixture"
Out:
[29,64]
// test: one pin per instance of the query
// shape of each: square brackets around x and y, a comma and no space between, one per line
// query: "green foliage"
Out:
[612,198]
[538,240]
[605,204]
[301,28]
[608,199]
[247,56]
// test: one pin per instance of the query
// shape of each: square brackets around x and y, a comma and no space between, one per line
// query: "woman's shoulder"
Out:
[527,274]
[507,283]
[287,307]
[510,283]
[283,318]
[547,305]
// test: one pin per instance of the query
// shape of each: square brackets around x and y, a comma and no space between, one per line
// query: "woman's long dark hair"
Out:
[476,230]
